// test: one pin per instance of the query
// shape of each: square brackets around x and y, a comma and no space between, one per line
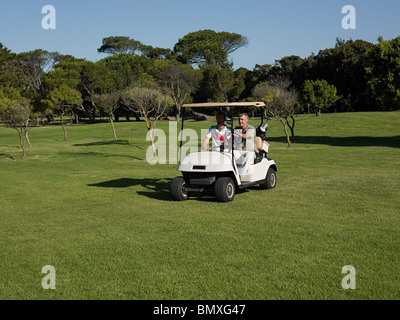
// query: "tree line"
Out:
[149,83]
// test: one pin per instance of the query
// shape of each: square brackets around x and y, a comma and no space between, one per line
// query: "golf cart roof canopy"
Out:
[224,104]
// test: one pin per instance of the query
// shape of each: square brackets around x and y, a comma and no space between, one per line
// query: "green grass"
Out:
[102,216]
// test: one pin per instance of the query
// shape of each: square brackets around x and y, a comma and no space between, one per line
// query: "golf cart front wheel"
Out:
[178,189]
[224,189]
[270,179]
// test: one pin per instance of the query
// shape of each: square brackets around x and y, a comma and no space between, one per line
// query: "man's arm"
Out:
[205,143]
[251,133]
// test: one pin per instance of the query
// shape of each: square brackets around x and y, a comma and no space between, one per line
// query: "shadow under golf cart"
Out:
[157,189]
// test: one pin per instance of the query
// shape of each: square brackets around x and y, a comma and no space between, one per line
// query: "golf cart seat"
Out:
[261,149]
[261,146]
[258,144]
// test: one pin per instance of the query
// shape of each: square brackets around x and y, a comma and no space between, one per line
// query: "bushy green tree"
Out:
[62,99]
[280,100]
[127,70]
[208,46]
[179,79]
[344,67]
[383,68]
[16,110]
[150,103]
[108,103]
[210,50]
[319,94]
[119,44]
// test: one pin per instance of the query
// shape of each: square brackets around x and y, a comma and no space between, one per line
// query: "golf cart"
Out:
[225,169]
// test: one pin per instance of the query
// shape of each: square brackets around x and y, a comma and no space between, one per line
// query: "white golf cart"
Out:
[225,169]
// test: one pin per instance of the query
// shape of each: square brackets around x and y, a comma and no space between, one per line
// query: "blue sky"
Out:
[275,29]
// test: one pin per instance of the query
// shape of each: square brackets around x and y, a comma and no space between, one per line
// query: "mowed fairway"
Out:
[99,213]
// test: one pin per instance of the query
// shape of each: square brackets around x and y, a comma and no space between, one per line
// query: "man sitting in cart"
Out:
[244,134]
[217,133]
[244,137]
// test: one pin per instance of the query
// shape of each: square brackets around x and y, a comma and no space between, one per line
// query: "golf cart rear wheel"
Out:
[224,189]
[270,179]
[178,189]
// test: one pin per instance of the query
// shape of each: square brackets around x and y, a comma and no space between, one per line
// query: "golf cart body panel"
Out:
[217,164]
[210,162]
[257,170]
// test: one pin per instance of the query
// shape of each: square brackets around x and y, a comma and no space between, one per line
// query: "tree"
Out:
[7,67]
[108,102]
[209,50]
[319,95]
[150,103]
[288,67]
[238,85]
[127,70]
[119,44]
[217,81]
[156,52]
[259,74]
[208,46]
[383,69]
[63,99]
[179,79]
[280,101]
[5,54]
[65,74]
[95,78]
[15,110]
[35,64]
[266,93]
[344,67]
[12,76]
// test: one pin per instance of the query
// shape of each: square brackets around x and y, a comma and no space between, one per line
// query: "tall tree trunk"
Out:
[22,143]
[153,145]
[112,126]
[284,123]
[149,128]
[63,127]
[26,134]
[287,136]
[291,126]
[27,139]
